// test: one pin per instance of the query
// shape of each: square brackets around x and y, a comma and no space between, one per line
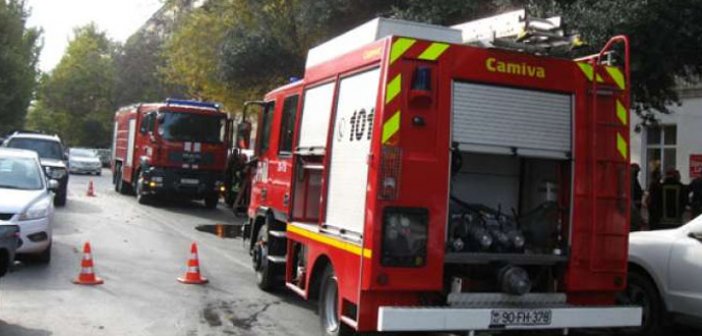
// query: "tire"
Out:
[116,176]
[45,256]
[60,198]
[139,190]
[641,291]
[265,275]
[122,186]
[328,308]
[211,201]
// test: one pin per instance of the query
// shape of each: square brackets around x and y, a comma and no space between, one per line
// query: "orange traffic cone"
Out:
[87,276]
[91,190]
[192,274]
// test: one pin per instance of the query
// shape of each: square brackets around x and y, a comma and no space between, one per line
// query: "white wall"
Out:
[688,118]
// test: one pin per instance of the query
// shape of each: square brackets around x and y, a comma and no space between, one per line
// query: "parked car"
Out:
[84,161]
[27,202]
[665,275]
[105,157]
[51,155]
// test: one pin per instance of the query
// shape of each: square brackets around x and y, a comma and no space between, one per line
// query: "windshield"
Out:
[191,127]
[45,149]
[20,173]
[83,153]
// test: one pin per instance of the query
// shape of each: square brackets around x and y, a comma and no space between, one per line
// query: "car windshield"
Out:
[45,148]
[83,153]
[176,126]
[20,173]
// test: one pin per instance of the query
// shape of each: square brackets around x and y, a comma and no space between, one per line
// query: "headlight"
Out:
[37,210]
[404,237]
[56,173]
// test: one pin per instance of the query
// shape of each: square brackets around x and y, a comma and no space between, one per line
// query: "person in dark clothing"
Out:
[636,199]
[654,201]
[695,190]
[674,199]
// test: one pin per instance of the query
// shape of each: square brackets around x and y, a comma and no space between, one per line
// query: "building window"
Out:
[660,149]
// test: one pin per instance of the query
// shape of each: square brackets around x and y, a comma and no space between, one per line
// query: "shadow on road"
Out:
[80,207]
[17,330]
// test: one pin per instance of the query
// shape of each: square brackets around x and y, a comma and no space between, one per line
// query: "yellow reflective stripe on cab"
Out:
[399,47]
[433,52]
[617,75]
[622,113]
[391,126]
[393,88]
[622,146]
[327,240]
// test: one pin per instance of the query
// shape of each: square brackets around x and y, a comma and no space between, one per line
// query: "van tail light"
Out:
[391,159]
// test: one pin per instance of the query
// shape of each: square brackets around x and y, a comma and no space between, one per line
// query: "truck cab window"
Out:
[287,127]
[147,124]
[266,121]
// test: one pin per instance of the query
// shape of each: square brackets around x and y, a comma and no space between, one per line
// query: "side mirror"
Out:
[54,185]
[695,235]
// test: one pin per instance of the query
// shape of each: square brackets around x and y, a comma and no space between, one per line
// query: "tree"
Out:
[79,91]
[19,53]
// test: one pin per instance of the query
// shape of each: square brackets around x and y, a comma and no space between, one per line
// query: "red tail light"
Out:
[390,164]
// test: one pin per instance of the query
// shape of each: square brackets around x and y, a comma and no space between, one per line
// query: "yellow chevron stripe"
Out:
[617,75]
[393,88]
[331,241]
[622,146]
[622,114]
[589,71]
[399,47]
[434,51]
[391,127]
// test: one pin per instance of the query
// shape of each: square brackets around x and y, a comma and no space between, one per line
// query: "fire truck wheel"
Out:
[139,190]
[264,271]
[329,306]
[122,187]
[641,291]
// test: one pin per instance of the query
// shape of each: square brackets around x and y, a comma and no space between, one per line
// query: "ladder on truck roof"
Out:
[517,30]
[513,30]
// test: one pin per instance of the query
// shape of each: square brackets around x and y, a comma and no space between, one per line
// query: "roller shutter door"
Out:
[503,120]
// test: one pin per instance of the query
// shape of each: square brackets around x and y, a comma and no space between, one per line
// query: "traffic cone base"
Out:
[192,274]
[87,275]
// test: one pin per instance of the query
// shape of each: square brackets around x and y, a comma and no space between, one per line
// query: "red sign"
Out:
[695,165]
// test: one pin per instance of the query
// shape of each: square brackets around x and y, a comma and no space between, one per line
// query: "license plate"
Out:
[189,181]
[520,317]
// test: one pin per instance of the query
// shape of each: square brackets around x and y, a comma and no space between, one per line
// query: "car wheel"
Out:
[211,201]
[641,291]
[139,190]
[45,256]
[60,198]
[328,307]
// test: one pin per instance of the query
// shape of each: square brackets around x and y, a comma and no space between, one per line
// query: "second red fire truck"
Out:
[177,148]
[427,178]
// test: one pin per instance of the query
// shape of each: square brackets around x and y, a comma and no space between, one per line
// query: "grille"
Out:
[6,216]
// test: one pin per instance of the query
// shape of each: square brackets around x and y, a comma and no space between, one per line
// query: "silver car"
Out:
[84,161]
[26,201]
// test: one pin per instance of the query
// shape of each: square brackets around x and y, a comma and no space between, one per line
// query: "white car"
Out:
[26,200]
[84,161]
[665,275]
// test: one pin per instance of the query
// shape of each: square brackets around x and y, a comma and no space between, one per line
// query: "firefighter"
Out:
[637,220]
[654,201]
[695,190]
[674,198]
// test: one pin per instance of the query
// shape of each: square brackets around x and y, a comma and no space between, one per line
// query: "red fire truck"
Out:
[427,178]
[177,148]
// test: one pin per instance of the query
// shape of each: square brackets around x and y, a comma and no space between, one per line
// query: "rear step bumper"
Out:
[470,319]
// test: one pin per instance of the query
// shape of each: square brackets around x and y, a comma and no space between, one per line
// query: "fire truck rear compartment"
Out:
[509,202]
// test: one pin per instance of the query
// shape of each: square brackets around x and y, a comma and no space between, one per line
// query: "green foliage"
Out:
[79,91]
[19,52]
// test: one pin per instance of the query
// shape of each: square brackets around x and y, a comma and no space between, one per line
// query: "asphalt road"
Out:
[140,251]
